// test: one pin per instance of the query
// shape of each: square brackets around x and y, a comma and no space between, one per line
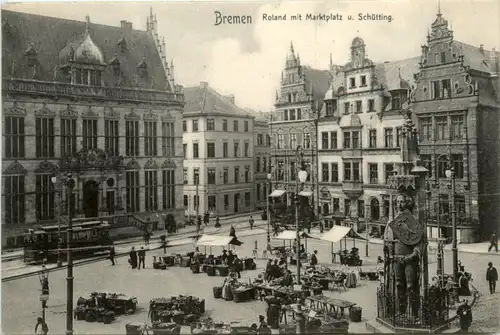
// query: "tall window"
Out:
[168,188]
[426,128]
[150,146]
[225,150]
[264,164]
[347,139]
[225,176]
[324,172]
[186,201]
[247,199]
[398,137]
[211,176]
[373,171]
[196,152]
[212,203]
[281,141]
[285,115]
[293,141]
[336,205]
[324,140]
[355,171]
[457,127]
[236,145]
[396,101]
[299,114]
[224,125]
[68,137]
[45,195]
[236,175]
[373,138]
[111,137]
[361,208]
[226,201]
[441,89]
[292,114]
[14,137]
[329,108]
[196,176]
[245,124]
[44,137]
[185,176]
[335,173]
[14,199]
[333,140]
[347,207]
[195,125]
[427,163]
[371,105]
[347,171]
[359,106]
[292,170]
[307,141]
[235,125]
[185,149]
[441,128]
[388,169]
[260,139]
[363,81]
[346,108]
[355,140]
[257,164]
[388,135]
[168,138]
[247,149]
[133,187]
[457,162]
[184,126]
[247,174]
[89,134]
[132,138]
[110,201]
[352,82]
[442,166]
[257,192]
[150,191]
[211,150]
[210,124]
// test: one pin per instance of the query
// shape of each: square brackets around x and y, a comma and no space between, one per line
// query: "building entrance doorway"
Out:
[91,199]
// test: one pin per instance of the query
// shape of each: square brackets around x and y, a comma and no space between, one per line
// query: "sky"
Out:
[246,60]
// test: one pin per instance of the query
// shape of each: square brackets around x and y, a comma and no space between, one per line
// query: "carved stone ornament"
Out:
[167,117]
[45,111]
[325,193]
[14,168]
[169,164]
[150,116]
[133,165]
[109,113]
[132,115]
[90,114]
[91,159]
[151,165]
[406,228]
[15,110]
[69,112]
[47,167]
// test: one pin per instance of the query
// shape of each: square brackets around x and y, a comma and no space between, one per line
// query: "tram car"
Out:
[89,239]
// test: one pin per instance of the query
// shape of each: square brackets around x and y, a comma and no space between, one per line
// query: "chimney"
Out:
[203,84]
[230,97]
[481,48]
[126,25]
[494,63]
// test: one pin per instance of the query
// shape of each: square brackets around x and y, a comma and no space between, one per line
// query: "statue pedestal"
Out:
[374,326]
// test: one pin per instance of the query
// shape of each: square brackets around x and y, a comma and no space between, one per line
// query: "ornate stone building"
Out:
[262,143]
[98,101]
[359,137]
[456,105]
[294,123]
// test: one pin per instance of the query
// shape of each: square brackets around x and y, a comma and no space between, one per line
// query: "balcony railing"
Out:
[111,93]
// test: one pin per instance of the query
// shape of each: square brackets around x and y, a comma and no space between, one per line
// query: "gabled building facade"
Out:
[456,104]
[96,101]
[359,144]
[262,143]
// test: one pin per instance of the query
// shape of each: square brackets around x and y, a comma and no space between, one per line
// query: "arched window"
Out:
[375,209]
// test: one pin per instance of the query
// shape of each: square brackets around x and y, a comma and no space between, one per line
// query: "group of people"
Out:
[137,258]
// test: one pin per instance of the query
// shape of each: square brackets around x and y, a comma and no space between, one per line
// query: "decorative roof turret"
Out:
[291,59]
[87,51]
[439,28]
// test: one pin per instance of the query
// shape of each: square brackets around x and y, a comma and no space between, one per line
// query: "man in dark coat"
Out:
[493,242]
[314,259]
[464,313]
[142,258]
[133,258]
[230,258]
[112,254]
[492,277]
[232,231]
[237,266]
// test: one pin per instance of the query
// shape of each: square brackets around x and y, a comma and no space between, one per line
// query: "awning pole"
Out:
[305,239]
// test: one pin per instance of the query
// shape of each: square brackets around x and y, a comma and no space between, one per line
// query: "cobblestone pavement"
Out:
[21,305]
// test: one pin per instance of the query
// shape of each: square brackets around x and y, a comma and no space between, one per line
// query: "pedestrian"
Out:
[232,231]
[133,258]
[464,313]
[41,327]
[492,277]
[237,265]
[217,222]
[142,258]
[251,221]
[493,242]
[314,259]
[112,254]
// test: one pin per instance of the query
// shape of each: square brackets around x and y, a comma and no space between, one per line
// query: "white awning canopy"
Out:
[305,193]
[217,241]
[277,193]
[292,234]
[339,232]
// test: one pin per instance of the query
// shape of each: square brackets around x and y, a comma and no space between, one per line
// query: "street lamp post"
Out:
[43,276]
[70,183]
[450,173]
[59,196]
[269,176]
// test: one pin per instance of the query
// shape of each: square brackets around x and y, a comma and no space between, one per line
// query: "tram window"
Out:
[94,232]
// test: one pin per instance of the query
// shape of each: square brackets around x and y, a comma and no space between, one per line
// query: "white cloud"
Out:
[254,77]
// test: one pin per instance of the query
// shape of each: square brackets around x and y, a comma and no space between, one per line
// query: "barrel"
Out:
[210,271]
[355,314]
[217,292]
[108,317]
[195,268]
[223,271]
[273,315]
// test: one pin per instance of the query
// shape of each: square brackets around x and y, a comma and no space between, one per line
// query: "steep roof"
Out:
[204,99]
[474,57]
[51,35]
[397,74]
[318,81]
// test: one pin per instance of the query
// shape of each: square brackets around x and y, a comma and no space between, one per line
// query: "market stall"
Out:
[290,236]
[104,307]
[337,234]
[181,310]
[217,241]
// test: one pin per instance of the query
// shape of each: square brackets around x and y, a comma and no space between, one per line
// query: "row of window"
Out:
[212,201]
[352,172]
[292,114]
[211,176]
[260,140]
[294,141]
[211,153]
[211,125]
[279,172]
[15,195]
[265,166]
[352,140]
[442,128]
[440,166]
[45,137]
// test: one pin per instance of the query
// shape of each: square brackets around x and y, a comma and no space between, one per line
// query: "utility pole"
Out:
[70,183]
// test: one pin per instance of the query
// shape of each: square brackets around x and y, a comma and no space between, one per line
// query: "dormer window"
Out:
[398,98]
[363,81]
[115,65]
[352,82]
[31,54]
[87,77]
[142,68]
[122,43]
[331,107]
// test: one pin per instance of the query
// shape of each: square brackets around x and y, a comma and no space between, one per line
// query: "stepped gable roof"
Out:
[319,82]
[475,58]
[204,99]
[52,36]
